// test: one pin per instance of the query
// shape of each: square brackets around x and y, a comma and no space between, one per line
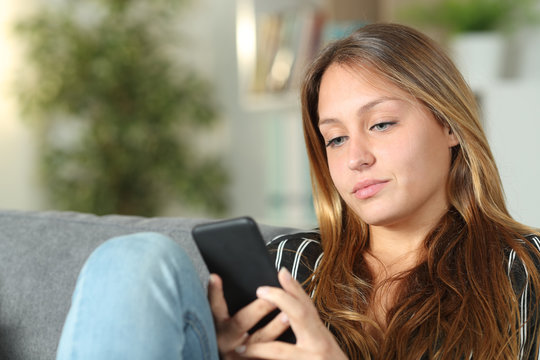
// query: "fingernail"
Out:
[284,318]
[286,273]
[240,349]
[262,291]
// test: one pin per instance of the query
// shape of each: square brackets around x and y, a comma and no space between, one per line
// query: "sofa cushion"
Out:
[41,254]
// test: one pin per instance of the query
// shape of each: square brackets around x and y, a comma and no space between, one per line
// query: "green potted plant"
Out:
[115,112]
[465,16]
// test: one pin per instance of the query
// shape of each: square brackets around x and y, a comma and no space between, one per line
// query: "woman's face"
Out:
[388,156]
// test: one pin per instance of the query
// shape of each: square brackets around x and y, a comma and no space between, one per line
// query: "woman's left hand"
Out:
[313,339]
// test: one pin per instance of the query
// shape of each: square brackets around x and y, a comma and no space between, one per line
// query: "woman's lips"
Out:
[368,188]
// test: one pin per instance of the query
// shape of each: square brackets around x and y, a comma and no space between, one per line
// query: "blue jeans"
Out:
[138,297]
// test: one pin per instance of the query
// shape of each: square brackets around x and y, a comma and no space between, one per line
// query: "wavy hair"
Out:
[459,300]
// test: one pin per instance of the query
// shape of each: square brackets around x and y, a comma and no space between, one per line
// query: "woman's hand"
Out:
[232,332]
[313,339]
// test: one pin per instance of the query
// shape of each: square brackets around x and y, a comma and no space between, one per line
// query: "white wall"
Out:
[512,112]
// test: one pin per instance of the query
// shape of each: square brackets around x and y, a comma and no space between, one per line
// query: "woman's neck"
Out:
[399,245]
[392,251]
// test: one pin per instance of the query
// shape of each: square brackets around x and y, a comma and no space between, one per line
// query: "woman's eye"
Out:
[337,141]
[382,126]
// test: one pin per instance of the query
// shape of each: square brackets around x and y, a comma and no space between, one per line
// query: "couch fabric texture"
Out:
[41,254]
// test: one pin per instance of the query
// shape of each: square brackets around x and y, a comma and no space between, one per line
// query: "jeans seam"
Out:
[194,323]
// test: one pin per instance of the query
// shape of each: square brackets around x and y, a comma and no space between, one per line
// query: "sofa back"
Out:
[41,254]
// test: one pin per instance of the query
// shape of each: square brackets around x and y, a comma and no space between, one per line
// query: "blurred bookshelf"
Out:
[275,41]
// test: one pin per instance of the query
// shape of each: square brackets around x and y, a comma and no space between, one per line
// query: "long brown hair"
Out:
[459,301]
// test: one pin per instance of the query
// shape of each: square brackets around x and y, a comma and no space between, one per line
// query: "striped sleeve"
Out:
[528,306]
[300,253]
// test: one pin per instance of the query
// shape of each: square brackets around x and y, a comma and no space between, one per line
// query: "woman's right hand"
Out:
[232,331]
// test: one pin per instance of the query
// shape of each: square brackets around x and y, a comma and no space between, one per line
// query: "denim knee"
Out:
[139,289]
[148,255]
[136,246]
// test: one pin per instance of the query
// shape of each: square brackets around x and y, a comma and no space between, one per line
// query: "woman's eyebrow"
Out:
[363,109]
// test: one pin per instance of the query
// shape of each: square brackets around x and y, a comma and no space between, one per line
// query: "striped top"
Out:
[301,253]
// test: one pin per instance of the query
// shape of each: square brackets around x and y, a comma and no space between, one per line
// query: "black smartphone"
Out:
[235,250]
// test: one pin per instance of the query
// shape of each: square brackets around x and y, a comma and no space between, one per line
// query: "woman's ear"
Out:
[451,136]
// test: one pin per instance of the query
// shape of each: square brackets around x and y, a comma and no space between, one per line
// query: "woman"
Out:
[421,257]
[416,257]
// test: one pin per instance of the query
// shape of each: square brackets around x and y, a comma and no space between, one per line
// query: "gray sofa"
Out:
[41,254]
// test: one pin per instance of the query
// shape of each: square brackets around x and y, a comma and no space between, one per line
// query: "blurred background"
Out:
[191,108]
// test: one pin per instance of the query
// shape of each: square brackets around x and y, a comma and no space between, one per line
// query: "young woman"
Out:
[416,256]
[421,258]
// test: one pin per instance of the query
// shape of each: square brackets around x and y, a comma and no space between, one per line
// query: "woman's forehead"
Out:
[339,75]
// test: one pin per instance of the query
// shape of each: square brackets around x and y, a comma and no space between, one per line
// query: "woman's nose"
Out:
[360,154]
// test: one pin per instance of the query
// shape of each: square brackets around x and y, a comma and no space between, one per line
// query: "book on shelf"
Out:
[286,43]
